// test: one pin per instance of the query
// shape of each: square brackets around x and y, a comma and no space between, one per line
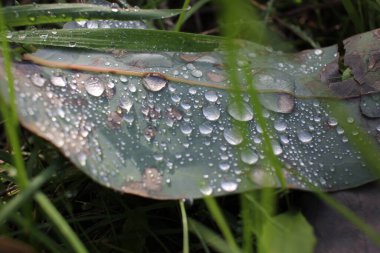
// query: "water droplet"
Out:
[82,158]
[72,44]
[38,80]
[94,87]
[123,79]
[211,96]
[205,128]
[224,166]
[150,132]
[280,125]
[211,113]
[9,35]
[196,73]
[229,186]
[59,81]
[304,136]
[240,111]
[332,122]
[249,157]
[114,7]
[276,147]
[232,136]
[318,51]
[125,103]
[32,18]
[92,24]
[154,82]
[378,128]
[206,190]
[186,129]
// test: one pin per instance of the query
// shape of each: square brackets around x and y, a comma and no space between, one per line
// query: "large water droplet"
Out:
[205,128]
[229,186]
[240,111]
[280,125]
[59,81]
[211,96]
[38,80]
[211,112]
[249,157]
[196,73]
[186,129]
[125,103]
[304,136]
[206,190]
[94,87]
[276,147]
[154,82]
[232,136]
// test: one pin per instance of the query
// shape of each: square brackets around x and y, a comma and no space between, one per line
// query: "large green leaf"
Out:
[162,124]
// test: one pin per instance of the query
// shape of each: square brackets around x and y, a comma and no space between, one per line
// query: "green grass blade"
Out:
[207,235]
[185,228]
[127,39]
[9,113]
[181,18]
[11,207]
[217,215]
[60,223]
[33,14]
[38,235]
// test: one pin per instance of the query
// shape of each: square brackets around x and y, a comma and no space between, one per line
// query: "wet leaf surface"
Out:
[162,124]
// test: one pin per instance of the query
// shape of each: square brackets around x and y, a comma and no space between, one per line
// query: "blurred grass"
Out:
[109,222]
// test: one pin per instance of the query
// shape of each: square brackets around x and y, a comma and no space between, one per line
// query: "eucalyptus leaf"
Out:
[163,124]
[34,14]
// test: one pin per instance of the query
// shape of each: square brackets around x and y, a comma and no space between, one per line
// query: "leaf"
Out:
[161,124]
[288,233]
[34,14]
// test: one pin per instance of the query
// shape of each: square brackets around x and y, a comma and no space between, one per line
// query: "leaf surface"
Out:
[163,124]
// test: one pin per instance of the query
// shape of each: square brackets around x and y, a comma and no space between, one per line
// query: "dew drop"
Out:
[332,122]
[206,190]
[59,81]
[276,147]
[232,136]
[229,186]
[123,79]
[125,103]
[38,80]
[304,136]
[205,128]
[82,158]
[154,82]
[280,125]
[94,87]
[72,44]
[196,73]
[211,96]
[318,51]
[186,129]
[211,113]
[249,157]
[241,112]
[224,166]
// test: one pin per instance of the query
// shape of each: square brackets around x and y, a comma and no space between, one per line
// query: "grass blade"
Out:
[118,38]
[185,227]
[32,14]
[25,195]
[60,223]
[210,237]
[216,213]
[181,18]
